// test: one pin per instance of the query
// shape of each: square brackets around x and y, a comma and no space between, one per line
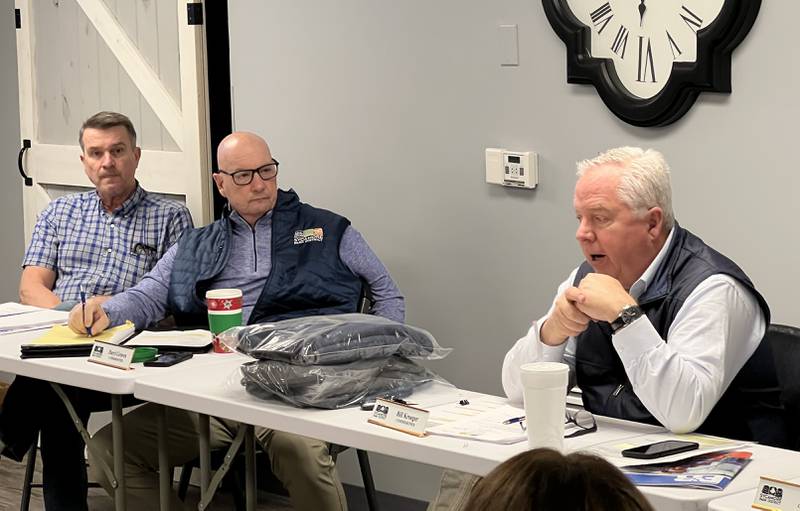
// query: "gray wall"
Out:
[11,232]
[381,110]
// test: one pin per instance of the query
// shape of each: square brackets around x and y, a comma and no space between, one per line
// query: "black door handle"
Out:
[26,144]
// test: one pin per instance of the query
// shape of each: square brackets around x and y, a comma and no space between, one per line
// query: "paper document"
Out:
[62,335]
[191,339]
[16,318]
[482,420]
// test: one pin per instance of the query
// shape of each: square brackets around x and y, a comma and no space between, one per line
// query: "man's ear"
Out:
[655,221]
[137,153]
[220,184]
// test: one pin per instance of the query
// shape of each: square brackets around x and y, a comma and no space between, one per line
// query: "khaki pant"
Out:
[454,490]
[303,465]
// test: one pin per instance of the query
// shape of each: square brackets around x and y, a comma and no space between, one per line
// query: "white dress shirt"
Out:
[716,330]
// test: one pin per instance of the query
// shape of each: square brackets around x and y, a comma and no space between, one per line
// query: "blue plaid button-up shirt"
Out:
[106,252]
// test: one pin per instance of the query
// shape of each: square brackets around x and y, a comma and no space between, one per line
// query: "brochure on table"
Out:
[711,470]
[712,466]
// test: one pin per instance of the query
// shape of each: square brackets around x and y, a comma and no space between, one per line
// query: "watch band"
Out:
[627,315]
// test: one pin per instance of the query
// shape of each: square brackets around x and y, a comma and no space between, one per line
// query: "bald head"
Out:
[245,153]
[240,147]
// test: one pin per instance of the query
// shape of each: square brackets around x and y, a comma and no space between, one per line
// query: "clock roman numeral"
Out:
[691,19]
[673,46]
[620,42]
[646,61]
[601,16]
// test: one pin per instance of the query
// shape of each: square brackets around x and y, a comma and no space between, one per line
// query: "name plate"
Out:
[111,355]
[400,417]
[776,495]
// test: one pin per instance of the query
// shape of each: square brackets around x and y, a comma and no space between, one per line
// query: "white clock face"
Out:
[644,38]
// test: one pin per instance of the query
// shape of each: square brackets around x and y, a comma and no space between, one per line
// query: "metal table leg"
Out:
[120,503]
[207,491]
[250,468]
[205,454]
[116,424]
[164,470]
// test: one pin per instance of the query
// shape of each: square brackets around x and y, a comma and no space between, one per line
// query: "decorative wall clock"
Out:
[650,59]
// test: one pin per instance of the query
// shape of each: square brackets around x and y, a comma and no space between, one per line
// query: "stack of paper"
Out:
[61,341]
[17,318]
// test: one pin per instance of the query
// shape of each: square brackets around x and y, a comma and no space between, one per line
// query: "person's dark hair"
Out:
[108,120]
[545,480]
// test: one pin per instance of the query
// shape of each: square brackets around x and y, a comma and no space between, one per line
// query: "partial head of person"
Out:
[247,175]
[110,156]
[623,203]
[546,480]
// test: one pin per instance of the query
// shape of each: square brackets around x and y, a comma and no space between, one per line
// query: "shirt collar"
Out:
[129,205]
[238,221]
[640,286]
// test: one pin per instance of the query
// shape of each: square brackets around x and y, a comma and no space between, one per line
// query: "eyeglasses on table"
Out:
[582,419]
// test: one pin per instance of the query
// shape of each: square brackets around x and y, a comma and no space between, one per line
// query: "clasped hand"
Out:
[598,297]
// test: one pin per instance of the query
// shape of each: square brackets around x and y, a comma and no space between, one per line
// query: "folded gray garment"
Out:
[336,339]
[336,386]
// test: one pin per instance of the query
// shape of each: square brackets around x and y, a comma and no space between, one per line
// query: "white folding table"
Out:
[79,372]
[211,392]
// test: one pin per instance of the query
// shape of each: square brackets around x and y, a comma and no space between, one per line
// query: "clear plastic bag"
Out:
[333,339]
[335,386]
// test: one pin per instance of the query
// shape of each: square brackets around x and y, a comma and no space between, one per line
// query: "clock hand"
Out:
[642,8]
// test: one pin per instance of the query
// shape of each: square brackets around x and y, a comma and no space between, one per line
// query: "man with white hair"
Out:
[655,325]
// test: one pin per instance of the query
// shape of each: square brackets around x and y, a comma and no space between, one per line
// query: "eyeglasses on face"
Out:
[582,419]
[245,177]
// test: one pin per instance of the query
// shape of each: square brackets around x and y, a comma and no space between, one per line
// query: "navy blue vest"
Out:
[746,411]
[307,276]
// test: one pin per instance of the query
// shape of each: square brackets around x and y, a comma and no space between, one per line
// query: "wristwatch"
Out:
[627,315]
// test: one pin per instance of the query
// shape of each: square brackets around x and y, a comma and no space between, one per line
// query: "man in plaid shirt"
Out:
[102,241]
[106,239]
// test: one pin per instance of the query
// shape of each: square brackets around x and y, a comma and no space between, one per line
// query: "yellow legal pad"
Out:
[61,335]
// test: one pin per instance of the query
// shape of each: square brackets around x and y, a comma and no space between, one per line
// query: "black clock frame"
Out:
[710,72]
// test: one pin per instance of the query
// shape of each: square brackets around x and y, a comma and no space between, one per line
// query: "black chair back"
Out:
[785,343]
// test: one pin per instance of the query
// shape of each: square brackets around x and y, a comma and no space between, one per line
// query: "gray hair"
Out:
[644,179]
[108,120]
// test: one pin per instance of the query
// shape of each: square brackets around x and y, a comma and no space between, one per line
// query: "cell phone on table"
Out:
[659,449]
[168,358]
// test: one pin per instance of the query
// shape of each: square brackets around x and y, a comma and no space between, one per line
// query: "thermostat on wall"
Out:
[512,168]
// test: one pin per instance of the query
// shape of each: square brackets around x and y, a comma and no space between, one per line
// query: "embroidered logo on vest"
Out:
[307,235]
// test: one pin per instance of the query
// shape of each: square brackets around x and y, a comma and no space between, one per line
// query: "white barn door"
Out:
[142,58]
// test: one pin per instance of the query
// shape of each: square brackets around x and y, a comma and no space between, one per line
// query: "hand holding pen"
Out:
[88,317]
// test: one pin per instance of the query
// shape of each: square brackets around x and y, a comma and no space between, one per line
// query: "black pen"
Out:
[83,311]
[514,420]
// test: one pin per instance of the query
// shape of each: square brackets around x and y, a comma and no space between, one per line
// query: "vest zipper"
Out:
[618,390]
[255,251]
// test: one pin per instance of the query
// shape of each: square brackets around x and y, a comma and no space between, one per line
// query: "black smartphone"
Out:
[168,358]
[659,449]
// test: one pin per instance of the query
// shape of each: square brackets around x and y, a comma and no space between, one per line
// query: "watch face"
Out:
[650,59]
[643,38]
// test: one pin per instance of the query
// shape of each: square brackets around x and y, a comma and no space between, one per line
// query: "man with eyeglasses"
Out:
[290,260]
